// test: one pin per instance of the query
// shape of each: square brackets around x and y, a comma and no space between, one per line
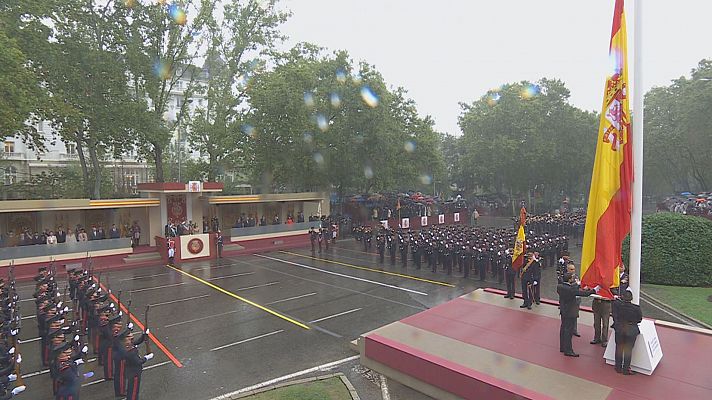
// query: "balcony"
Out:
[13,156]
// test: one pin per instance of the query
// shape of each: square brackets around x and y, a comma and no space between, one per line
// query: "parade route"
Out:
[229,324]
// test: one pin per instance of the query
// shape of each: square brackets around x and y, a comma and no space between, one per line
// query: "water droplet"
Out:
[162,70]
[322,123]
[178,14]
[309,99]
[340,75]
[368,172]
[248,129]
[409,146]
[426,179]
[493,98]
[357,78]
[335,100]
[530,91]
[308,137]
[369,97]
[318,158]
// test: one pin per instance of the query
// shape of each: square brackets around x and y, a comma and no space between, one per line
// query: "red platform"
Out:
[483,346]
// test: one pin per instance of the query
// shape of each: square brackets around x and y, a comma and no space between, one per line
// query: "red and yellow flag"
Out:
[610,198]
[520,246]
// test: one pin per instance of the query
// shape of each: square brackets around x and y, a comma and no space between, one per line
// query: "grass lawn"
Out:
[689,300]
[327,389]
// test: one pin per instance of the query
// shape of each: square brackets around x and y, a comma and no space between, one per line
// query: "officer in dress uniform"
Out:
[527,278]
[403,239]
[134,365]
[312,238]
[380,246]
[390,243]
[509,274]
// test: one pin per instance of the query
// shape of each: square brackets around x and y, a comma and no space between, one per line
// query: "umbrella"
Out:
[685,193]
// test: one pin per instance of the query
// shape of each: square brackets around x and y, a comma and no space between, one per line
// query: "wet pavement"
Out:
[238,322]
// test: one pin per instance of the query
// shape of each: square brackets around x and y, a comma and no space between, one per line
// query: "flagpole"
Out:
[638,108]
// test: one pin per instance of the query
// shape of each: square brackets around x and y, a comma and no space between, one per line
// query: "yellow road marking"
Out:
[252,303]
[415,278]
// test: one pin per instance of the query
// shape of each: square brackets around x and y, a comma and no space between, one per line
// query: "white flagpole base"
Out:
[647,352]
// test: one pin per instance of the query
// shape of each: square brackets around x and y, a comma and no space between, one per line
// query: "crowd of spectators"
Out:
[697,204]
[27,237]
[405,205]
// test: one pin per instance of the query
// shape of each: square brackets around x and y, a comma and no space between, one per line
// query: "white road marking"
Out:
[343,275]
[323,367]
[257,286]
[144,277]
[200,319]
[247,340]
[159,287]
[334,316]
[24,300]
[179,300]
[28,317]
[384,388]
[290,298]
[229,276]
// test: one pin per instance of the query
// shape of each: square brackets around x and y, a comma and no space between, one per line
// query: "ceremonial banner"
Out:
[456,216]
[405,223]
[520,246]
[441,219]
[610,198]
[423,221]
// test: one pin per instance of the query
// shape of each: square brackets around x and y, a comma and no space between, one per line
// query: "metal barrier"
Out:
[44,250]
[281,228]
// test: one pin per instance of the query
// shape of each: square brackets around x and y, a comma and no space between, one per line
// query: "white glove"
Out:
[79,361]
[19,358]
[88,375]
[536,283]
[597,288]
[148,331]
[12,377]
[130,325]
[66,309]
[12,350]
[121,313]
[113,306]
[59,305]
[85,349]
[13,332]
[18,390]
[76,338]
[148,356]
[57,292]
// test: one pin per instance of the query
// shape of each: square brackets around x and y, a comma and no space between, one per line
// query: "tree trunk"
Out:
[158,161]
[83,164]
[96,166]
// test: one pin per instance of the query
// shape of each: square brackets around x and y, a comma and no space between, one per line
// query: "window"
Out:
[179,102]
[10,175]
[71,149]
[9,147]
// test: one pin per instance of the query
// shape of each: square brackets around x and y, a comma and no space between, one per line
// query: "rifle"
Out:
[148,338]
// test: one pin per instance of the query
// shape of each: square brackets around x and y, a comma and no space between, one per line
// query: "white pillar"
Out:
[638,107]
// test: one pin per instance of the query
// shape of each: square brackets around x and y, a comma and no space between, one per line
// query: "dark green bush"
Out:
[677,250]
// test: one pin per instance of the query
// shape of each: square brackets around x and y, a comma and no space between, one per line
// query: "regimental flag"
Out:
[520,246]
[398,206]
[610,198]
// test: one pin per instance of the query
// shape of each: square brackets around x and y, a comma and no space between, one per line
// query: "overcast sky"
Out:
[450,51]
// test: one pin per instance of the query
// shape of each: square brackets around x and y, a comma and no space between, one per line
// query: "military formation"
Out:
[470,251]
[11,383]
[87,321]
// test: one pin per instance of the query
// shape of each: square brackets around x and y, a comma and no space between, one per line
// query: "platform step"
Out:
[233,247]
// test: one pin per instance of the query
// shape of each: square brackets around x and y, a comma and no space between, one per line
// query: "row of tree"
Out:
[103,72]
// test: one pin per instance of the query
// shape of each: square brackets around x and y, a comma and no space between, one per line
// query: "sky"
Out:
[451,51]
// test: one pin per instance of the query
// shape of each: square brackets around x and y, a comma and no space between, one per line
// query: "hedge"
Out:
[677,250]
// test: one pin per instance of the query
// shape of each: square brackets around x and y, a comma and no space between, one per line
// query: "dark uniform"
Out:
[569,311]
[626,317]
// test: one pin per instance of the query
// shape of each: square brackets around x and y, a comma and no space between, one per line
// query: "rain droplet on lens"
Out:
[322,123]
[308,138]
[409,146]
[309,99]
[368,172]
[369,97]
[335,100]
[341,75]
[426,179]
[318,158]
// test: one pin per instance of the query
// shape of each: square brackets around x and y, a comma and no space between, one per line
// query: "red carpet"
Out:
[482,346]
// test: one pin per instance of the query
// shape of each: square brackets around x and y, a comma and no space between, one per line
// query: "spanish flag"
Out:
[610,197]
[520,246]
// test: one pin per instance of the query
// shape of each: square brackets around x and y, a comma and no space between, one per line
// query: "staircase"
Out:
[143,257]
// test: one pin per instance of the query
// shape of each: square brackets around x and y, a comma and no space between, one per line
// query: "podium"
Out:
[188,247]
[647,352]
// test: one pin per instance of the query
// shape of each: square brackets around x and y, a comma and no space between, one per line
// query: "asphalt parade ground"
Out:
[233,323]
